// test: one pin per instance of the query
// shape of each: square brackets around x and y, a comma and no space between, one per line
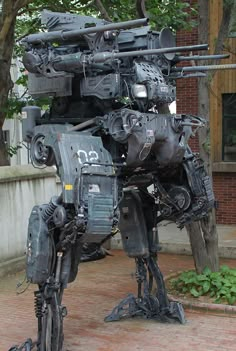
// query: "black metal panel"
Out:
[39,248]
[132,225]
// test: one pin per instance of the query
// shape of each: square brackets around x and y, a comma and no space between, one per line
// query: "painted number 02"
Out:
[84,156]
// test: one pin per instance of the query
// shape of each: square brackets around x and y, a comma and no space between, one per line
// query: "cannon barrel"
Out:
[204,68]
[63,35]
[78,61]
[201,57]
[104,56]
[72,62]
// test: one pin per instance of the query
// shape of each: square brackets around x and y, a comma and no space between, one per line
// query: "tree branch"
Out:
[224,28]
[7,23]
[21,3]
[141,9]
[103,11]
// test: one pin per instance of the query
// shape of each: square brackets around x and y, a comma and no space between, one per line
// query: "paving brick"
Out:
[98,288]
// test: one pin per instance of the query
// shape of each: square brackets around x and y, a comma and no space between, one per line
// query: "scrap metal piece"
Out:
[146,304]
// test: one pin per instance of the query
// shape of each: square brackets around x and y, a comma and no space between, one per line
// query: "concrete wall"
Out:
[21,187]
[13,127]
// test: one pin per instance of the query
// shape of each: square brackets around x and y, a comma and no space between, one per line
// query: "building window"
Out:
[232,22]
[229,127]
[6,137]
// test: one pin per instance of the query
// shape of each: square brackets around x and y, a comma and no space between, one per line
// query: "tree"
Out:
[9,10]
[203,235]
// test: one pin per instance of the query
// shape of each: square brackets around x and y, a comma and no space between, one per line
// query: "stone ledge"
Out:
[185,249]
[12,266]
[25,172]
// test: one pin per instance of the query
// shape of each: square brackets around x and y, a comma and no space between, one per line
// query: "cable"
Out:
[19,285]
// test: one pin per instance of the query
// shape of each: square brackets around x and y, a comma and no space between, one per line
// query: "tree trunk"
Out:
[3,151]
[7,26]
[203,235]
[8,13]
[198,246]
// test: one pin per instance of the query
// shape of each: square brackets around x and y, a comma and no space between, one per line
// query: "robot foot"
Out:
[26,346]
[147,307]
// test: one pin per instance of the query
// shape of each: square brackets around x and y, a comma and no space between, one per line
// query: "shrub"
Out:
[219,285]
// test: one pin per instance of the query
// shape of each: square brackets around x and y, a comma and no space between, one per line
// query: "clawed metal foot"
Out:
[147,305]
[28,345]
[148,308]
[177,312]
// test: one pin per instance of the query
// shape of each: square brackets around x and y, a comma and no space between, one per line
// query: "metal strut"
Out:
[147,305]
[49,313]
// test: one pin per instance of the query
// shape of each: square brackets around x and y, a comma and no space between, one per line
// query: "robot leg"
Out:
[52,261]
[140,241]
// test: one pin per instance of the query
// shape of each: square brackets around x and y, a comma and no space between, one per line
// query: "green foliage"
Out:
[162,13]
[219,285]
[175,14]
[15,104]
[171,13]
[12,149]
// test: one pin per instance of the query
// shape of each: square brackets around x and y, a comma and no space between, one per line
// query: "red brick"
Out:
[187,102]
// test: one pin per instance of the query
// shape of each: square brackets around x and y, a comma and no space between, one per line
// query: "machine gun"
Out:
[110,139]
[82,59]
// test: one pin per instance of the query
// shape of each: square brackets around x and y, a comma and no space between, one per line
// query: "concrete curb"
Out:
[201,306]
[24,172]
[178,248]
[185,249]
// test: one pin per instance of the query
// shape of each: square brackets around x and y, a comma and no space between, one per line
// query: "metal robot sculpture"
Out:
[110,138]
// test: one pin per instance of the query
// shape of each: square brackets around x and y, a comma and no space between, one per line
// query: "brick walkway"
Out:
[99,287]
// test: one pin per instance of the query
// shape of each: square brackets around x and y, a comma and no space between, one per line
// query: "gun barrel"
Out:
[204,68]
[104,56]
[63,35]
[201,57]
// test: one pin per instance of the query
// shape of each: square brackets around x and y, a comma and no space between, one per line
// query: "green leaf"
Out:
[231,300]
[212,294]
[217,283]
[223,292]
[215,275]
[233,272]
[233,289]
[206,286]
[218,300]
[194,292]
[226,281]
[224,268]
[207,271]
[202,277]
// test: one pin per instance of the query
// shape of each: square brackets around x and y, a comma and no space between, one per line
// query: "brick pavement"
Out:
[98,288]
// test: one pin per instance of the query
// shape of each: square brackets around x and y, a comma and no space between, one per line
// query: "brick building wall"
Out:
[187,102]
[187,89]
